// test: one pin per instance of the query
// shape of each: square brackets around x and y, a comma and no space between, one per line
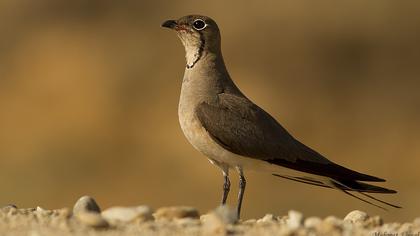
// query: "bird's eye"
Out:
[199,24]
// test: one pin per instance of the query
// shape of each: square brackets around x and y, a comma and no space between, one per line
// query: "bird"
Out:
[235,134]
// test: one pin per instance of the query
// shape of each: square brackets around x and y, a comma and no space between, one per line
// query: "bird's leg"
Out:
[242,184]
[226,185]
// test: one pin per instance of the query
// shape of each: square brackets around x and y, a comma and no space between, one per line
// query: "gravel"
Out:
[87,219]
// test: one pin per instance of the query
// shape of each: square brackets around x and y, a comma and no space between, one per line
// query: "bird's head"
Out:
[198,34]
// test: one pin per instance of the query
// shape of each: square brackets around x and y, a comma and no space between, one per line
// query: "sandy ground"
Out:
[86,218]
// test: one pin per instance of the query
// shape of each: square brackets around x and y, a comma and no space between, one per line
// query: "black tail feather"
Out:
[355,185]
[379,200]
[346,186]
[364,200]
[367,188]
[303,180]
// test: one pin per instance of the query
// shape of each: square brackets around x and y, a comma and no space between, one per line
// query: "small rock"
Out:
[171,213]
[333,221]
[391,227]
[356,216]
[12,211]
[217,222]
[41,212]
[330,226]
[127,214]
[268,218]
[86,204]
[373,222]
[227,214]
[212,225]
[7,208]
[295,219]
[10,206]
[63,213]
[416,221]
[188,222]
[283,219]
[250,222]
[405,228]
[312,222]
[92,219]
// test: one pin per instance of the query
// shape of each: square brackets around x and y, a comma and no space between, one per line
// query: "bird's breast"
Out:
[190,125]
[199,137]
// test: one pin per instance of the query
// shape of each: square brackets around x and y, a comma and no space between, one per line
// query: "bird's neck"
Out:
[209,73]
[193,53]
[209,66]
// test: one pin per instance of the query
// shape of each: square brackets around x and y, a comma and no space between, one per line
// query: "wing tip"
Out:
[372,178]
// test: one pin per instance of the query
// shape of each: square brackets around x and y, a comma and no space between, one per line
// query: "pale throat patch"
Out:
[193,48]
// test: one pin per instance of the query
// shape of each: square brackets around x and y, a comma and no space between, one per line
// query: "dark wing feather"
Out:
[243,128]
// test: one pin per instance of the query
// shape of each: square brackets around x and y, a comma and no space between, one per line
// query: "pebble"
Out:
[62,213]
[268,218]
[188,222]
[227,214]
[391,227]
[86,204]
[39,209]
[416,221]
[330,225]
[171,213]
[356,217]
[405,228]
[373,222]
[333,221]
[212,224]
[295,219]
[42,213]
[12,211]
[249,222]
[92,219]
[127,214]
[312,222]
[9,207]
[217,222]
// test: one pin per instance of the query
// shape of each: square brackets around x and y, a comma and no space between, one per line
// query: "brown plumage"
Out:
[233,132]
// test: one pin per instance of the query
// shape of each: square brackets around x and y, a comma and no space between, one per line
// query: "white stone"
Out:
[127,214]
[312,222]
[356,216]
[295,219]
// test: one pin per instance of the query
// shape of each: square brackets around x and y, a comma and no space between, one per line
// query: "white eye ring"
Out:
[199,24]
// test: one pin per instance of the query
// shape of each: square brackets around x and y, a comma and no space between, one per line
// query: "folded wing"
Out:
[245,129]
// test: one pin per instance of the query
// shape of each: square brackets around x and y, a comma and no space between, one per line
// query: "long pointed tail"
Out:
[362,188]
[346,186]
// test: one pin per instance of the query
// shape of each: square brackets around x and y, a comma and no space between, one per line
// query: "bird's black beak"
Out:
[169,24]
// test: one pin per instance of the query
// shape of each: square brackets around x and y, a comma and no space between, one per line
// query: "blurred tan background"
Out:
[89,92]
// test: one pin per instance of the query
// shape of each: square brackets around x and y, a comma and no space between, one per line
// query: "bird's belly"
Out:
[198,136]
